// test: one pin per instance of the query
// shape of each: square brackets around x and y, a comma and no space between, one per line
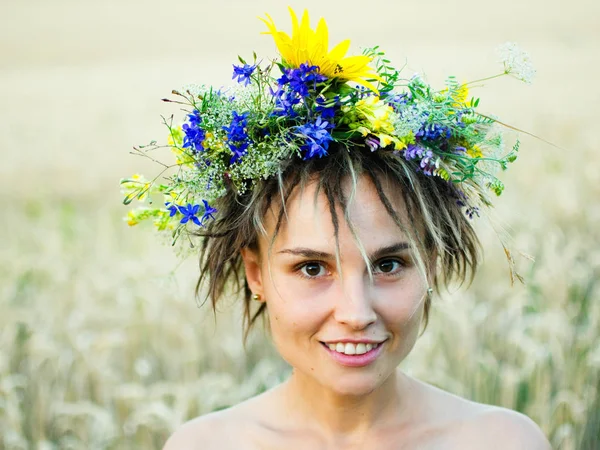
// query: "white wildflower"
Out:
[516,62]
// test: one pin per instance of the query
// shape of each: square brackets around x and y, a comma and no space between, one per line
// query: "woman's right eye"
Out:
[312,270]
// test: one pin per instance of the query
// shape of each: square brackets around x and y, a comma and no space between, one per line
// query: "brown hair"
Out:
[436,224]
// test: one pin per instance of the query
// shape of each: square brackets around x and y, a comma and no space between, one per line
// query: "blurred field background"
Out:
[102,345]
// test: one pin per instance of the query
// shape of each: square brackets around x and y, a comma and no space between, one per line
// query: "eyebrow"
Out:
[316,254]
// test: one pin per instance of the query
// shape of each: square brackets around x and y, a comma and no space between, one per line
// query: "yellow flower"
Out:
[376,113]
[135,187]
[312,47]
[132,218]
[462,93]
[474,152]
[371,115]
[459,95]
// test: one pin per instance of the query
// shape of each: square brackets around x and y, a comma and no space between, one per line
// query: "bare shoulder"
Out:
[205,432]
[470,425]
[232,428]
[499,428]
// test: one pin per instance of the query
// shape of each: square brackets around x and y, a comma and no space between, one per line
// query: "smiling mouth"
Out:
[350,349]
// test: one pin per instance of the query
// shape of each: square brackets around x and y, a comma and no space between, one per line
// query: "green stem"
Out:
[486,79]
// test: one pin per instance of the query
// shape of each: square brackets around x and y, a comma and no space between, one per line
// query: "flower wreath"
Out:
[296,106]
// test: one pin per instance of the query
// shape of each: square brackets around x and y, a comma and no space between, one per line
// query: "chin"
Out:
[357,384]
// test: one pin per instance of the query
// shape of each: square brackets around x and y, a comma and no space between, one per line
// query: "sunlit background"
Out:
[102,343]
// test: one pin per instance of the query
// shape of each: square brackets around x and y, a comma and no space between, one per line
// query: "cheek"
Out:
[402,299]
[295,306]
[296,295]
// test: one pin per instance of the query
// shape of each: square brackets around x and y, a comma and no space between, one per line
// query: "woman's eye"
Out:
[312,270]
[388,266]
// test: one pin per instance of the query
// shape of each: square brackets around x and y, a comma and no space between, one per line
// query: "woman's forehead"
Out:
[308,219]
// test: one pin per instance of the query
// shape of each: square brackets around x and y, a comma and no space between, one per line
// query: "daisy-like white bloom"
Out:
[308,46]
[516,62]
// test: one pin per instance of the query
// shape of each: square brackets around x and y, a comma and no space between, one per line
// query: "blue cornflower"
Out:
[208,211]
[433,131]
[295,85]
[237,138]
[326,108]
[238,150]
[237,130]
[243,73]
[285,102]
[195,118]
[194,134]
[396,101]
[302,79]
[172,209]
[190,212]
[317,138]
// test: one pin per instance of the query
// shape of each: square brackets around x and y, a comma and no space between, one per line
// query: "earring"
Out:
[256,297]
[429,291]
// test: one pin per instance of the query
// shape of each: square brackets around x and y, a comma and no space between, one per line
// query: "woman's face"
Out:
[320,312]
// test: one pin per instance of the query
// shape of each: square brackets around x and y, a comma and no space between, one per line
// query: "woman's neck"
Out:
[334,414]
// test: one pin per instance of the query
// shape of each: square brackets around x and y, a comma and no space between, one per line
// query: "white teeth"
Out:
[350,349]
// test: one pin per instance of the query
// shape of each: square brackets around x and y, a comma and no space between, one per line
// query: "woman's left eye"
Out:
[312,270]
[387,266]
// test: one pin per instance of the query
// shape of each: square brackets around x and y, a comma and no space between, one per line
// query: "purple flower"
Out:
[317,138]
[243,73]
[425,157]
[190,212]
[472,211]
[194,134]
[373,143]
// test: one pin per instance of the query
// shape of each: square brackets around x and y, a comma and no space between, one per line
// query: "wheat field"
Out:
[102,343]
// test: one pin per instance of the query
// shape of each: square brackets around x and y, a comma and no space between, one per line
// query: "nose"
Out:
[354,305]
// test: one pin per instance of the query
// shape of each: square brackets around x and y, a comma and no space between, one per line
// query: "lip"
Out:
[355,360]
[355,341]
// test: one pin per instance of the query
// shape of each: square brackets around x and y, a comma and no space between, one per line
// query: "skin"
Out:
[310,300]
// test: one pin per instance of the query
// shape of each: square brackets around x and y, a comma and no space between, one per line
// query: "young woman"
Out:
[337,210]
[340,275]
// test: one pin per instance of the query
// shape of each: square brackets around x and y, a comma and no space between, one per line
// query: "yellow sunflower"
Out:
[312,46]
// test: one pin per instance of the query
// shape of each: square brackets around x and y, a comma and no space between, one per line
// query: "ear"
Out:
[253,270]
